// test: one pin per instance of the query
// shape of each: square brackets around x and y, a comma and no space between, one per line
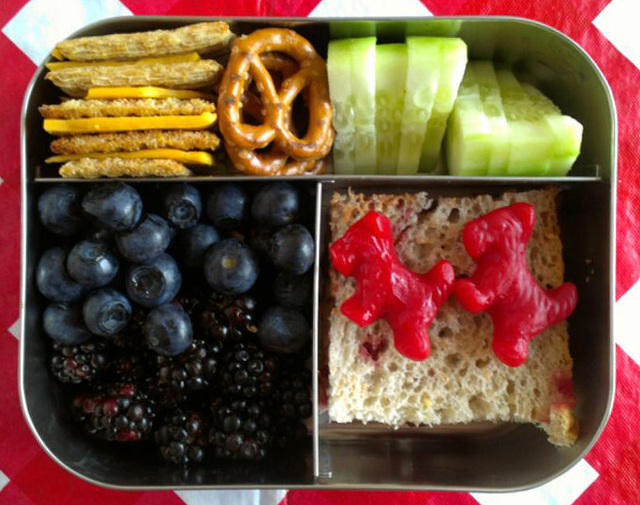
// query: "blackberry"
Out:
[247,371]
[225,318]
[131,367]
[189,373]
[292,403]
[241,430]
[293,394]
[81,363]
[121,413]
[182,437]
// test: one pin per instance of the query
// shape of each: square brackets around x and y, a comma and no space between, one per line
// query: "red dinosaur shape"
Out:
[502,283]
[386,289]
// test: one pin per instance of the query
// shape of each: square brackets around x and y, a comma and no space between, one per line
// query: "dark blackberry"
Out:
[121,413]
[81,363]
[131,367]
[247,371]
[292,403]
[191,372]
[294,393]
[241,430]
[225,318]
[182,437]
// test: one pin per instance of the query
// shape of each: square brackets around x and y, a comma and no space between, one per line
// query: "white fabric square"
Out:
[369,8]
[627,322]
[40,24]
[563,490]
[14,329]
[4,480]
[618,21]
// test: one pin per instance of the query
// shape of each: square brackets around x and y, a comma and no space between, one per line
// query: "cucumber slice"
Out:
[453,60]
[363,85]
[469,134]
[566,132]
[485,78]
[530,140]
[423,58]
[391,70]
[339,74]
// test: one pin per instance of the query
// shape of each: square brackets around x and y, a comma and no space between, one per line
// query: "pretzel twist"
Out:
[252,57]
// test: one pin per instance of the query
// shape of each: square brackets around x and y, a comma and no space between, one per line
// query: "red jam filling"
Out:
[502,284]
[386,289]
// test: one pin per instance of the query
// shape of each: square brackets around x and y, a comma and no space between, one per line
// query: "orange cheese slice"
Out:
[173,58]
[117,124]
[189,157]
[143,92]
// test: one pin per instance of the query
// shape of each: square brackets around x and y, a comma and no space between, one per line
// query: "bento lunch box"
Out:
[471,457]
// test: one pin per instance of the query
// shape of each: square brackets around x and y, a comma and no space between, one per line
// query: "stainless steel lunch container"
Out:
[487,457]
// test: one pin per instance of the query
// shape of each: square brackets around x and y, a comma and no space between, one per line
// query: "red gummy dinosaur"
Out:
[503,286]
[386,289]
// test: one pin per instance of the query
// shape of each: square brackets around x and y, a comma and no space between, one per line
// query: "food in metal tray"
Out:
[203,38]
[462,380]
[136,118]
[293,155]
[502,126]
[191,355]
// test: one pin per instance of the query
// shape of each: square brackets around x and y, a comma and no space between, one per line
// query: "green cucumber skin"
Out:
[339,74]
[391,69]
[453,60]
[363,86]
[423,55]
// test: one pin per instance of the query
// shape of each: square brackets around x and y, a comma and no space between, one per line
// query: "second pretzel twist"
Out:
[248,62]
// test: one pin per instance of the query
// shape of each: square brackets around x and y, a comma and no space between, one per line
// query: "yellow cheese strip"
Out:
[117,124]
[173,58]
[56,54]
[194,157]
[143,92]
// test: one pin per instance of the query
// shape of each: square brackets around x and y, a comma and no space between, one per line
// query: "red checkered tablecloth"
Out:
[607,29]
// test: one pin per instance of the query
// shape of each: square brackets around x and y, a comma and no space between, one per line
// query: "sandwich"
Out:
[462,380]
[142,102]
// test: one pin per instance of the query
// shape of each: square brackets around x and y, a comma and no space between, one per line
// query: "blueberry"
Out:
[155,283]
[59,209]
[106,312]
[63,323]
[227,206]
[275,204]
[230,267]
[182,205]
[146,241]
[283,330]
[52,278]
[115,205]
[167,329]
[292,249]
[293,290]
[92,263]
[194,242]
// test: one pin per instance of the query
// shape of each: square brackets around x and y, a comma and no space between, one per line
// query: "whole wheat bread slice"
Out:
[461,381]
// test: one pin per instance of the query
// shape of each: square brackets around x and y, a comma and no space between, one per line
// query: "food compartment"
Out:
[47,402]
[481,455]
